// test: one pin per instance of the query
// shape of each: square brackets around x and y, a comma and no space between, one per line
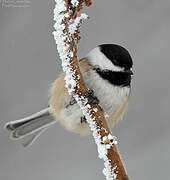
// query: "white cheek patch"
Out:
[98,59]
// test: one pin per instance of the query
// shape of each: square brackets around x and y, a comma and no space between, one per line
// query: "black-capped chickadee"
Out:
[107,70]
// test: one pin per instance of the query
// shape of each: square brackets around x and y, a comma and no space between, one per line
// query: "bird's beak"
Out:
[129,71]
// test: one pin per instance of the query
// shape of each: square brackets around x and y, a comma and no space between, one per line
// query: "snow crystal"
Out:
[73,26]
[95,110]
[62,40]
[75,3]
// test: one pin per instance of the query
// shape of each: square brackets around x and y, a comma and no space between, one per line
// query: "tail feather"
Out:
[29,139]
[17,123]
[30,127]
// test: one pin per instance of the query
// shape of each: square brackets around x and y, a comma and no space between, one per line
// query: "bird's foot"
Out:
[90,93]
[83,119]
[92,99]
[72,102]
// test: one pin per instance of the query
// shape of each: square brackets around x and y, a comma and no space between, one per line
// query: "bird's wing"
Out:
[117,114]
[59,97]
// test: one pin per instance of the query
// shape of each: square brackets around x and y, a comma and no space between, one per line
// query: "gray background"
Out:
[28,65]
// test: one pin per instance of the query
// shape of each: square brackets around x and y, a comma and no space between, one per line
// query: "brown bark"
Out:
[113,154]
[81,90]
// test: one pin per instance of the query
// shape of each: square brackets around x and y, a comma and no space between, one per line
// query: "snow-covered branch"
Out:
[67,25]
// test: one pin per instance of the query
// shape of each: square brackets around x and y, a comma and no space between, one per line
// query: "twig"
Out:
[67,28]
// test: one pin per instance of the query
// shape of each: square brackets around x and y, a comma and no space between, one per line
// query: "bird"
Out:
[107,72]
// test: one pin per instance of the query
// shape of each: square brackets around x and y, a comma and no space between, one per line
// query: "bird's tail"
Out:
[29,128]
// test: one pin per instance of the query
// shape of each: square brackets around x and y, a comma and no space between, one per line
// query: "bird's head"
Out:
[111,57]
[112,63]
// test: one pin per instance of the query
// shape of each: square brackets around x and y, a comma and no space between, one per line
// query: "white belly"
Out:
[110,97]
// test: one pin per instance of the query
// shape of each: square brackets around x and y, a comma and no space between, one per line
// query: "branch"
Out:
[67,32]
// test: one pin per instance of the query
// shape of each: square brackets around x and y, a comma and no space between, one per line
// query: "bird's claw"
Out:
[91,98]
[83,119]
[90,93]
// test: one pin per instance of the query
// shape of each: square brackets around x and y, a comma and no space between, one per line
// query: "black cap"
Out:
[118,55]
